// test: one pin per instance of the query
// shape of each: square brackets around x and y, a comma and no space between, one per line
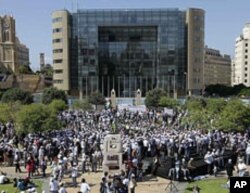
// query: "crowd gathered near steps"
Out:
[78,148]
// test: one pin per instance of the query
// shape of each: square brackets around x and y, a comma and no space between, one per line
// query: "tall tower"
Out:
[42,61]
[61,34]
[195,49]
[7,42]
[241,62]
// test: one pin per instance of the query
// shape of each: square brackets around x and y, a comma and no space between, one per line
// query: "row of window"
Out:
[129,19]
[57,30]
[58,51]
[57,61]
[58,40]
[58,71]
[58,81]
[57,19]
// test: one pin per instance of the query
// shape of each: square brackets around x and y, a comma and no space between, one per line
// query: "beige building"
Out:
[12,52]
[217,68]
[195,19]
[60,41]
[241,61]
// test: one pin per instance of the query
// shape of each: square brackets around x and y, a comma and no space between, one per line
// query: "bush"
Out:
[82,104]
[16,94]
[96,98]
[57,105]
[153,97]
[168,102]
[49,94]
[36,118]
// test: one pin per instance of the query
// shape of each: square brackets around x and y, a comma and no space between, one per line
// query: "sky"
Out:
[224,19]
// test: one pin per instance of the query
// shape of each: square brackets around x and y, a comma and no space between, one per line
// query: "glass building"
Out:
[124,50]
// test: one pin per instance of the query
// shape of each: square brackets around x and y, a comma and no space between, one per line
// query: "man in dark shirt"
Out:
[229,168]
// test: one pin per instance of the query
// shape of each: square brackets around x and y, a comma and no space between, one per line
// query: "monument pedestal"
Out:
[138,98]
[113,99]
[112,154]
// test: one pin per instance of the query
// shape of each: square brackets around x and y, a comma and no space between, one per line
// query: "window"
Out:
[246,51]
[245,56]
[245,75]
[59,71]
[6,36]
[246,44]
[58,81]
[57,19]
[92,61]
[245,80]
[57,30]
[245,69]
[57,40]
[245,62]
[57,61]
[58,51]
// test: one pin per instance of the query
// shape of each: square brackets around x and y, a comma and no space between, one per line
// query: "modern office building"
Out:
[217,68]
[128,50]
[241,61]
[12,52]
[42,61]
[22,53]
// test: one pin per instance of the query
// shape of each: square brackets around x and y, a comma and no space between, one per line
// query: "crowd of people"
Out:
[78,148]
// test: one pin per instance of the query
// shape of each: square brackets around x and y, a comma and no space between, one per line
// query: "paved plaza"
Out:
[156,185]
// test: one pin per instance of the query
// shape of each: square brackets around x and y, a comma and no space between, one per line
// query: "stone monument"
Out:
[112,154]
[113,99]
[138,98]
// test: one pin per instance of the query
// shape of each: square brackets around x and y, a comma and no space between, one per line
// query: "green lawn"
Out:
[8,188]
[209,186]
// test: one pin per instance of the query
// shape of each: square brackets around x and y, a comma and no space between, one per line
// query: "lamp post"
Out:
[175,90]
[186,83]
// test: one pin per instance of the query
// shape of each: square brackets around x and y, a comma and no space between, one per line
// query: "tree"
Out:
[36,118]
[47,70]
[17,94]
[168,102]
[214,106]
[56,106]
[96,98]
[196,114]
[218,90]
[51,93]
[224,91]
[24,69]
[82,104]
[244,92]
[153,97]
[234,116]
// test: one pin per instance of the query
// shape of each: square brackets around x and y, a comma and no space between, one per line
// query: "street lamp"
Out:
[186,81]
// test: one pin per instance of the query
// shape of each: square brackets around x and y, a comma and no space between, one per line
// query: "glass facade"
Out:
[127,50]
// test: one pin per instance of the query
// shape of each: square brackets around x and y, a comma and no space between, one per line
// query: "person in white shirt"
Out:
[209,161]
[241,168]
[62,189]
[84,188]
[248,154]
[54,185]
[3,179]
[74,174]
